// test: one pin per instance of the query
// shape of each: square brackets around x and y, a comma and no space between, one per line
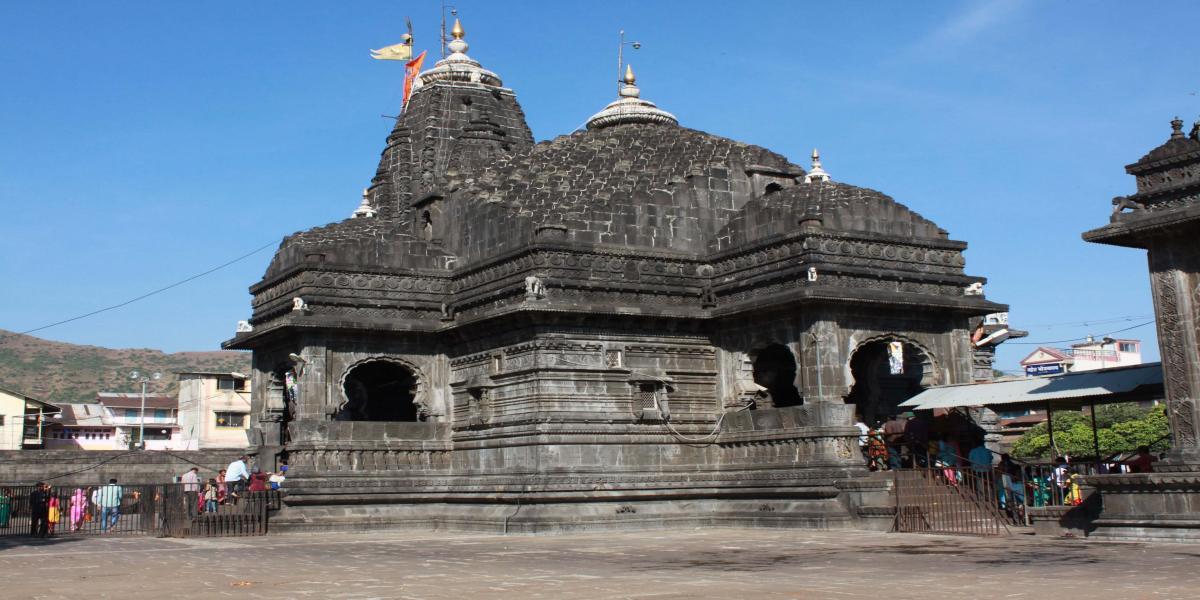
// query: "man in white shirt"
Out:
[191,489]
[236,475]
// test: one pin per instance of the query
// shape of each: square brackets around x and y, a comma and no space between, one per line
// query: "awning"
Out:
[1102,386]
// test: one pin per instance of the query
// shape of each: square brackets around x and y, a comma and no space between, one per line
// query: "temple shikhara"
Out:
[635,324]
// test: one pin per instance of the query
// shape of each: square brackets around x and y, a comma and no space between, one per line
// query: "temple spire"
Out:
[816,173]
[457,66]
[1177,129]
[364,210]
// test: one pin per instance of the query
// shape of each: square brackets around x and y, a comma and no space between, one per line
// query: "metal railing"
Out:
[171,510]
[951,500]
[95,510]
[941,493]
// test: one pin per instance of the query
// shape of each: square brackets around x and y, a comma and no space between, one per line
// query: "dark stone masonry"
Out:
[634,325]
[1163,218]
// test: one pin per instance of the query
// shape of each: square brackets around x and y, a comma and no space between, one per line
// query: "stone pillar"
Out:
[1173,282]
[821,377]
[316,399]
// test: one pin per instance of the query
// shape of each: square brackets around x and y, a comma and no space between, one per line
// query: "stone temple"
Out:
[637,324]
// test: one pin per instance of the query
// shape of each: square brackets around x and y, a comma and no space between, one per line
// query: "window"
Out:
[160,413]
[231,383]
[158,434]
[231,420]
[131,413]
[1,420]
[1127,346]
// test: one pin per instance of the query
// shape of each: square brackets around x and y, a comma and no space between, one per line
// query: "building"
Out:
[1089,355]
[214,410]
[83,427]
[636,323]
[124,412]
[1104,354]
[22,420]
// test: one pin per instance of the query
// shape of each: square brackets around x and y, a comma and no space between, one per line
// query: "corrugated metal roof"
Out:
[83,414]
[1082,385]
[123,400]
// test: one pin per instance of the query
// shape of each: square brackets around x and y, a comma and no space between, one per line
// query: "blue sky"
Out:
[143,142]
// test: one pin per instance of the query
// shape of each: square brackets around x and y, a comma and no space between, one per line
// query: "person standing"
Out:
[108,499]
[5,507]
[54,515]
[1142,462]
[39,510]
[210,496]
[893,434]
[191,490]
[236,475]
[78,508]
[916,433]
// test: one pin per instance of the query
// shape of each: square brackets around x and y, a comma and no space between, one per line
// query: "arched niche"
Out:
[876,388]
[381,389]
[775,369]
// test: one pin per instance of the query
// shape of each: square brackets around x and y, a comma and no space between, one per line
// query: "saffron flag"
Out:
[401,51]
[412,68]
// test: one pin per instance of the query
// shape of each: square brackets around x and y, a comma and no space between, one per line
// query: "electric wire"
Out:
[152,292]
[1080,338]
[1103,321]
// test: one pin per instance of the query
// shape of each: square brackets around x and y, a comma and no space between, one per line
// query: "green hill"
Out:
[62,372]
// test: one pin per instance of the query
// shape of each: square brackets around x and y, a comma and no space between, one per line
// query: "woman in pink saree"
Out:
[79,502]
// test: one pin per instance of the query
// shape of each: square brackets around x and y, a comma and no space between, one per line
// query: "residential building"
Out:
[160,420]
[214,410]
[82,427]
[21,420]
[1106,353]
[1089,355]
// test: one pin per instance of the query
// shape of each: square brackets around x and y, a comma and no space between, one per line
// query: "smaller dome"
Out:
[630,108]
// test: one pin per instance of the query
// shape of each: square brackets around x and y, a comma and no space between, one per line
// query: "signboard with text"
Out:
[1045,369]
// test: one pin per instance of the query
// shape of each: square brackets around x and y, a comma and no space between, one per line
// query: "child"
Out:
[210,496]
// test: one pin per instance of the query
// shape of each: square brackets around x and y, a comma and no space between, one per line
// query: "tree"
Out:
[1120,428]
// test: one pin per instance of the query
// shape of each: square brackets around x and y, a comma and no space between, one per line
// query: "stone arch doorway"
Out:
[775,370]
[380,390]
[877,391]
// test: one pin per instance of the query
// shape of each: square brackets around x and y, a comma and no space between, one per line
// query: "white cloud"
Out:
[972,21]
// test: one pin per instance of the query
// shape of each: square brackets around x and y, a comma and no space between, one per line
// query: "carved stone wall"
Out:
[1174,281]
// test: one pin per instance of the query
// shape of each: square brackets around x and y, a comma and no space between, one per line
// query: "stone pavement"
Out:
[660,565]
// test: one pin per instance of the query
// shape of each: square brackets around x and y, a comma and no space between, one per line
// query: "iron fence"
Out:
[173,510]
[948,494]
[950,499]
[86,510]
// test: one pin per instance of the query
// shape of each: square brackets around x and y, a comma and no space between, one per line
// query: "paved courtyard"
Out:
[690,564]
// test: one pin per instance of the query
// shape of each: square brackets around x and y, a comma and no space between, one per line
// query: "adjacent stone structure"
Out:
[637,324]
[1163,218]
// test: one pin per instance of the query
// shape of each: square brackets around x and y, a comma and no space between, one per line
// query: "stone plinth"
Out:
[1154,506]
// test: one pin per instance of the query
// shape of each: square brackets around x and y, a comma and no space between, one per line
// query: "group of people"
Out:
[47,509]
[906,440]
[228,486]
[51,509]
[953,446]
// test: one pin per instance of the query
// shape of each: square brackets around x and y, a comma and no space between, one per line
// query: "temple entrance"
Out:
[379,390]
[881,382]
[775,369]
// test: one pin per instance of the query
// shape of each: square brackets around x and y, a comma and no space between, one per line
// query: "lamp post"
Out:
[621,57]
[142,417]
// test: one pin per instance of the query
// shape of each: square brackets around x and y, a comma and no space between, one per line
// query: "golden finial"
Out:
[629,78]
[457,32]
